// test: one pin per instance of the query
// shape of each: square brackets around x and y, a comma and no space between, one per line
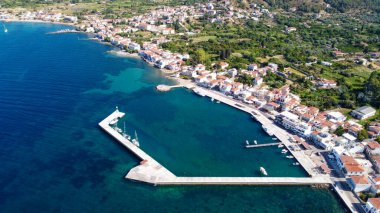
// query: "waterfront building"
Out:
[372,205]
[375,184]
[363,112]
[349,166]
[134,46]
[322,139]
[291,122]
[359,183]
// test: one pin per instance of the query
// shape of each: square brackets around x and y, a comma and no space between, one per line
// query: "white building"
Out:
[322,139]
[134,46]
[291,121]
[359,183]
[336,117]
[363,112]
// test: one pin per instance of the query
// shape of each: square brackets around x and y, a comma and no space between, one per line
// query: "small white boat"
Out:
[296,164]
[114,121]
[290,156]
[212,99]
[255,142]
[5,29]
[263,171]
[280,145]
[118,130]
[274,139]
[267,130]
[284,151]
[247,142]
[218,102]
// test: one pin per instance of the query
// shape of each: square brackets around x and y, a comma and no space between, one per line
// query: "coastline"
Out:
[38,21]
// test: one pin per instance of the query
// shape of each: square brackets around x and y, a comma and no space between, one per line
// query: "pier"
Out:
[63,31]
[165,88]
[152,172]
[262,145]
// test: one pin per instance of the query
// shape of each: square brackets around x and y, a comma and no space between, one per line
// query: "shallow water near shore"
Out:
[54,90]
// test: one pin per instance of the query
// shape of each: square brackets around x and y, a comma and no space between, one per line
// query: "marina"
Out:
[66,154]
[150,171]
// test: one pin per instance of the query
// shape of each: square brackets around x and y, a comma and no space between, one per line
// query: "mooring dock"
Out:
[262,145]
[150,171]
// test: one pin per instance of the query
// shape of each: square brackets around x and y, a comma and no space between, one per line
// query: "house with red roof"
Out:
[372,205]
[359,183]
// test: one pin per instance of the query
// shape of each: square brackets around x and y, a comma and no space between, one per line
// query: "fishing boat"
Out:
[263,171]
[135,140]
[247,142]
[255,142]
[284,151]
[296,164]
[267,130]
[290,156]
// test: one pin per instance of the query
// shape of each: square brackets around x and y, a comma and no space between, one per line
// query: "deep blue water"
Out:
[54,89]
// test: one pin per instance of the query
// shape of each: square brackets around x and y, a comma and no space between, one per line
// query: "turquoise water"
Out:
[54,90]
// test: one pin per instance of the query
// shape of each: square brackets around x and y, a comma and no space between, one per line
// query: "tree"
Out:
[200,56]
[339,131]
[378,139]
[362,134]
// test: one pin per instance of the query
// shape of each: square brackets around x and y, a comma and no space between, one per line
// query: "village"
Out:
[338,141]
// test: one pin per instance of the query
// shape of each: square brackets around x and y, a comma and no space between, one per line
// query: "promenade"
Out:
[150,171]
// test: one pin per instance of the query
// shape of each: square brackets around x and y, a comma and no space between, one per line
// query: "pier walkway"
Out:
[165,88]
[262,145]
[150,171]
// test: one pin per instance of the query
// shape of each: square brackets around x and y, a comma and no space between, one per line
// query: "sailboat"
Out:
[125,135]
[135,140]
[5,29]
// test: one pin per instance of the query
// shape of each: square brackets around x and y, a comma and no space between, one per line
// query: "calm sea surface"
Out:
[54,89]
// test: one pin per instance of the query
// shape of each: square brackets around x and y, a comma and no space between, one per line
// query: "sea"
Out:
[56,88]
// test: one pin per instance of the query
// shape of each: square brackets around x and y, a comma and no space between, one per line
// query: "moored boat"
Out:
[270,133]
[290,156]
[135,140]
[284,151]
[263,171]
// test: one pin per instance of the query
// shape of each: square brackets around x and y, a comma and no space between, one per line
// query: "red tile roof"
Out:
[373,145]
[360,179]
[375,202]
